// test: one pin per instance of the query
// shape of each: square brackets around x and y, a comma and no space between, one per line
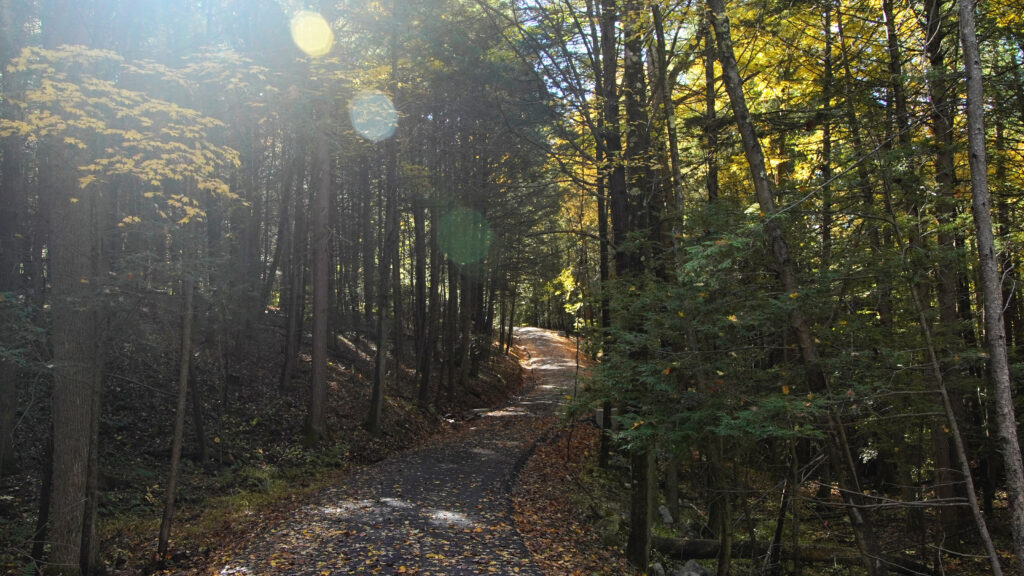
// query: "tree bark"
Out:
[11,216]
[995,337]
[710,121]
[75,340]
[641,507]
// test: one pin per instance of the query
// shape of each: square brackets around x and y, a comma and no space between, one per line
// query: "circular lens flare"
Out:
[311,33]
[373,116]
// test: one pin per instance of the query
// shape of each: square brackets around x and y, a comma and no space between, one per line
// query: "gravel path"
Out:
[443,509]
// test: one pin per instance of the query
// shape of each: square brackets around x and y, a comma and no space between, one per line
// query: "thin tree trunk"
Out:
[710,122]
[296,279]
[420,281]
[373,421]
[999,370]
[368,242]
[316,429]
[433,311]
[179,414]
[198,420]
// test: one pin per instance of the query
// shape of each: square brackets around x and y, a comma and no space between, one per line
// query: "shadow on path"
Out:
[440,510]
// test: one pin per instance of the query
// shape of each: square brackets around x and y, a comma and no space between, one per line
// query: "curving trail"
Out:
[440,510]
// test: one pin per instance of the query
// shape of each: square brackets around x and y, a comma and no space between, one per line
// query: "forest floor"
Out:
[447,508]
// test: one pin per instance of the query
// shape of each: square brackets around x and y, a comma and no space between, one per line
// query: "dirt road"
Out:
[441,510]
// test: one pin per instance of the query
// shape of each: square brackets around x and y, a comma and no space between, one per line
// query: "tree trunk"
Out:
[999,370]
[641,506]
[75,341]
[368,242]
[12,217]
[432,321]
[390,236]
[296,279]
[710,121]
[316,429]
[198,420]
[826,147]
[420,288]
[179,413]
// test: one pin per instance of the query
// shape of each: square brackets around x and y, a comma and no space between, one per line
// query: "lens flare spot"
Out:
[311,33]
[373,116]
[464,235]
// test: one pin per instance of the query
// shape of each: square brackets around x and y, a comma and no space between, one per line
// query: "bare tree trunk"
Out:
[432,320]
[198,421]
[420,281]
[710,126]
[179,414]
[12,216]
[995,337]
[721,507]
[380,361]
[826,146]
[296,279]
[368,242]
[316,417]
[641,506]
[75,340]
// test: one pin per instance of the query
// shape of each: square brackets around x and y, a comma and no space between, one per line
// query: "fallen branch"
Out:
[708,549]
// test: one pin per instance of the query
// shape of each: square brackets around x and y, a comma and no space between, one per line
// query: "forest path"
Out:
[440,510]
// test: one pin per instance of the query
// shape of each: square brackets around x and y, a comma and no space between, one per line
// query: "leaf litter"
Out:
[444,509]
